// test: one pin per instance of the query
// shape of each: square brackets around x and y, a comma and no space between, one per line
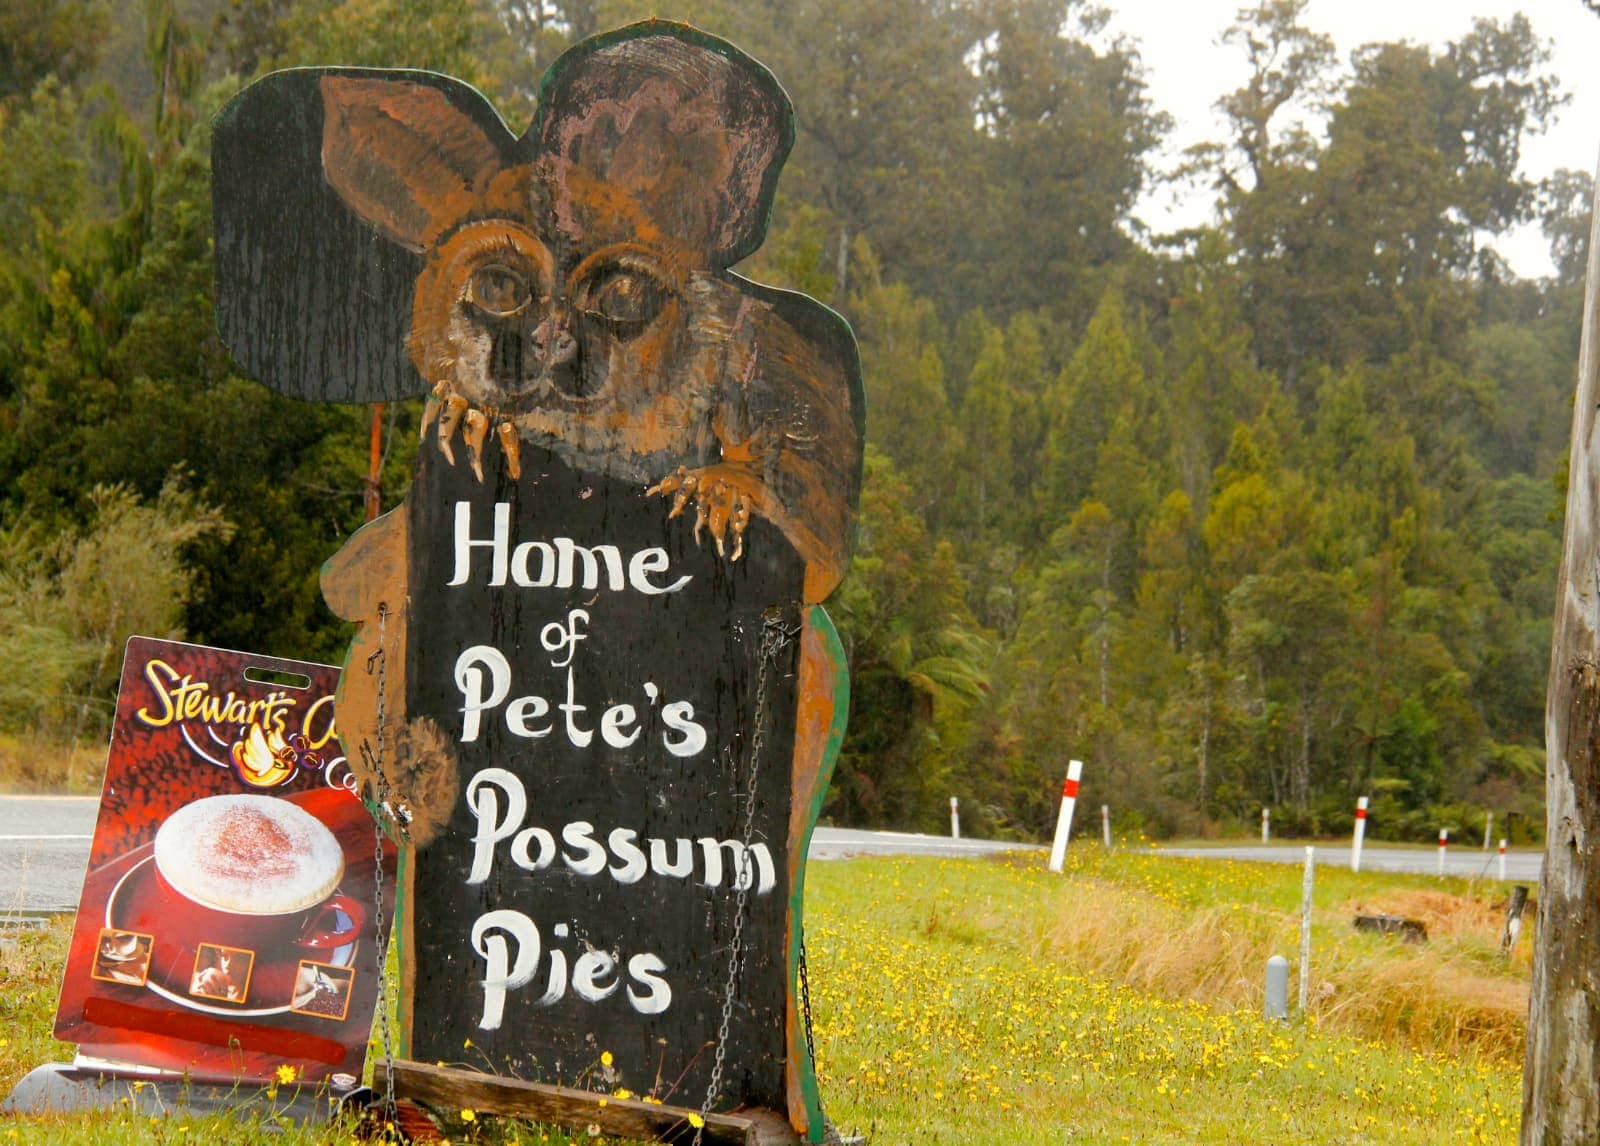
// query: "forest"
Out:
[1265,513]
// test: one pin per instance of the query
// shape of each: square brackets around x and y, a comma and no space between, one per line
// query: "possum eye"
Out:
[499,290]
[624,298]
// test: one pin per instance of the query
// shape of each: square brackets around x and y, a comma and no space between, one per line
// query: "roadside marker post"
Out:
[1502,859]
[955,818]
[1277,992]
[1305,928]
[1361,832]
[1266,824]
[1488,826]
[1069,800]
[1444,842]
[1105,824]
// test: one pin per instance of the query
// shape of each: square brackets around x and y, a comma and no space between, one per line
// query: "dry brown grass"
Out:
[35,765]
[1449,995]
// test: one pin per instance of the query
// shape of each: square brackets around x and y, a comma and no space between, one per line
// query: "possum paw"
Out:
[724,497]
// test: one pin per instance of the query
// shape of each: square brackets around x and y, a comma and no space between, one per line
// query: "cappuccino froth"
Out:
[255,855]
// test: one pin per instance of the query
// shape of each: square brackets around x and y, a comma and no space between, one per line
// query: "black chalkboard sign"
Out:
[593,689]
[600,686]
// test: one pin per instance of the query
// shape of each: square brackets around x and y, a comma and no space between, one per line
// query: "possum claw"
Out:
[699,519]
[669,483]
[685,485]
[512,447]
[477,427]
[455,409]
[717,516]
[737,524]
[430,414]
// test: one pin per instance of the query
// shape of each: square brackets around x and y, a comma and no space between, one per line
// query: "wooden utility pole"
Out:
[1561,1086]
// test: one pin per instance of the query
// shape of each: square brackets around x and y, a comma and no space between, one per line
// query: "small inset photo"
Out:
[222,973]
[322,989]
[122,957]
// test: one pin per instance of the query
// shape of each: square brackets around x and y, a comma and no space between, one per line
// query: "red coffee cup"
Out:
[253,872]
[189,921]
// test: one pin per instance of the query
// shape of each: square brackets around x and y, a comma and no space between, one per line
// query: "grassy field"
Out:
[991,1002]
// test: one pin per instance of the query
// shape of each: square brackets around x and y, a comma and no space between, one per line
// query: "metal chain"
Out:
[830,1132]
[805,1001]
[381,793]
[774,635]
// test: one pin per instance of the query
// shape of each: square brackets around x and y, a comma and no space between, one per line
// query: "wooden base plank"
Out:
[450,1090]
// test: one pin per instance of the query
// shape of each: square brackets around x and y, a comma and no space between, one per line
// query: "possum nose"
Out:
[553,344]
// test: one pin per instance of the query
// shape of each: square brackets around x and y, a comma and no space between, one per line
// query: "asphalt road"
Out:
[44,851]
[841,843]
[1521,866]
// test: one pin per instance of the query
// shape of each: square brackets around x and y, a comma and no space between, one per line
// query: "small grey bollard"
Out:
[1277,988]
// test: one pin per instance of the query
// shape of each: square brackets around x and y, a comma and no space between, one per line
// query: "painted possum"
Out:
[574,295]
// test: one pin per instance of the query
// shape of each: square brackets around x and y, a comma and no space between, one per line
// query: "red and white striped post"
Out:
[955,818]
[1105,824]
[1502,860]
[1266,821]
[1444,841]
[1069,799]
[1361,832]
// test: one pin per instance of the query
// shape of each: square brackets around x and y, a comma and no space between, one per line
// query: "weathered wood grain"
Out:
[1561,1086]
[449,1091]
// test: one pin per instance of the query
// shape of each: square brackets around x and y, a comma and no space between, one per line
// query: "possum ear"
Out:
[689,127]
[402,156]
[326,183]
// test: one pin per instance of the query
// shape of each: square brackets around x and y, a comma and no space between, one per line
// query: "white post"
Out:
[1502,859]
[1069,799]
[1444,840]
[955,818]
[1305,929]
[1105,825]
[1266,821]
[1488,825]
[1361,831]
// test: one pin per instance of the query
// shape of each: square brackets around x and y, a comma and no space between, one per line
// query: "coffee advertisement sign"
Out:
[228,926]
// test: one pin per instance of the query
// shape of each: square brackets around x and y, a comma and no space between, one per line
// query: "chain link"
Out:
[775,634]
[805,1002]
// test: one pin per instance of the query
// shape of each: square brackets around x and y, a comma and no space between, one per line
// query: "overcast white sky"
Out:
[1187,69]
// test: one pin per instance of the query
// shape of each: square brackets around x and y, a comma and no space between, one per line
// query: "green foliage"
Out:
[1264,513]
[69,602]
[48,38]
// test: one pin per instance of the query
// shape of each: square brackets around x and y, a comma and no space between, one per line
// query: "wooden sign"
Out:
[593,683]
[227,928]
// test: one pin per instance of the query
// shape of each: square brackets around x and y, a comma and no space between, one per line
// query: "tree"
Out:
[1289,634]
[917,662]
[1364,244]
[883,108]
[69,602]
[1065,134]
[58,38]
[1105,374]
